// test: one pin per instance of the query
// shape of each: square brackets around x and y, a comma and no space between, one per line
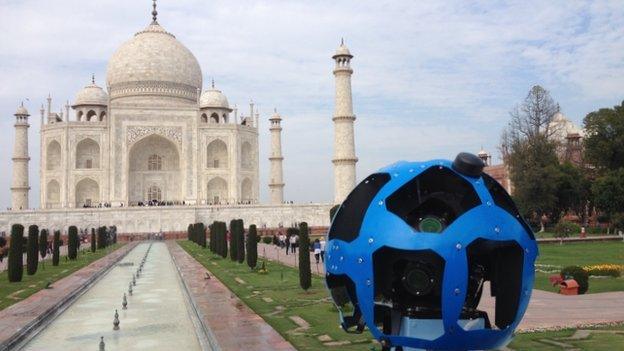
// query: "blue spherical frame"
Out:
[381,228]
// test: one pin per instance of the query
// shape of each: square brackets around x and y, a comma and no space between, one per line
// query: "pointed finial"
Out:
[154,13]
[275,109]
[22,103]
[341,41]
[212,83]
[92,78]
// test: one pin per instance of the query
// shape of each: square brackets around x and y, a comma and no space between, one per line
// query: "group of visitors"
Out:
[318,247]
[291,243]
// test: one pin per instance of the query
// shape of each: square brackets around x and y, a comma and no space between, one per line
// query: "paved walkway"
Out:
[17,320]
[234,325]
[546,310]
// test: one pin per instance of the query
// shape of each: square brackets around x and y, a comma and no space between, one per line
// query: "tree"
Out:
[530,153]
[608,193]
[604,138]
[240,240]
[56,244]
[101,237]
[305,274]
[201,234]
[16,254]
[573,190]
[223,239]
[233,238]
[189,232]
[43,243]
[93,240]
[252,247]
[32,250]
[72,243]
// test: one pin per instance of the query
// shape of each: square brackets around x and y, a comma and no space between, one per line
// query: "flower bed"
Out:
[605,270]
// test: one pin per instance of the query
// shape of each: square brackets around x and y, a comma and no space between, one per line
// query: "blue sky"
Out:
[431,78]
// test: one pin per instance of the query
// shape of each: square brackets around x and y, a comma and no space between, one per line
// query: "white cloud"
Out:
[431,79]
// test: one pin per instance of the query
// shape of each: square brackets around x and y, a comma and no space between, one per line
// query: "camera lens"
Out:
[417,280]
[431,225]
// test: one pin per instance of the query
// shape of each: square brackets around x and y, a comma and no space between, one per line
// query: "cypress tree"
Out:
[101,238]
[202,234]
[43,243]
[211,234]
[16,254]
[252,247]
[189,229]
[114,231]
[56,243]
[240,240]
[305,274]
[223,240]
[93,243]
[233,239]
[32,250]
[72,239]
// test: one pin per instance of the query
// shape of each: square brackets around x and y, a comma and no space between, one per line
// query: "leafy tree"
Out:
[608,193]
[32,250]
[252,247]
[305,274]
[604,140]
[43,243]
[573,190]
[530,153]
[93,240]
[16,254]
[56,244]
[72,243]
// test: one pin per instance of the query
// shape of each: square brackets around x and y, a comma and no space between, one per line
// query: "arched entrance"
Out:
[87,193]
[217,191]
[154,171]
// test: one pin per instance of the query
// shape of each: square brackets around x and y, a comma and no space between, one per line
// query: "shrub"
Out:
[32,250]
[267,239]
[252,247]
[56,244]
[43,243]
[16,254]
[189,232]
[563,229]
[305,274]
[605,270]
[579,274]
[240,240]
[223,239]
[72,243]
[201,234]
[101,237]
[93,239]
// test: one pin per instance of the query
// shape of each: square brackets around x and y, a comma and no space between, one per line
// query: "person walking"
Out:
[322,244]
[317,250]
[287,243]
[293,243]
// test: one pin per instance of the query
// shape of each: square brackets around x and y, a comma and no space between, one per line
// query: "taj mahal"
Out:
[153,149]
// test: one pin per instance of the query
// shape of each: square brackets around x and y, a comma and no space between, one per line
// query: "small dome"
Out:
[342,51]
[482,153]
[214,98]
[21,111]
[91,95]
[154,62]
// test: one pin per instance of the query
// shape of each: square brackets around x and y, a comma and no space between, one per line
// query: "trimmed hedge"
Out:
[240,240]
[101,238]
[93,240]
[32,250]
[72,243]
[56,248]
[16,254]
[233,238]
[252,247]
[305,274]
[579,274]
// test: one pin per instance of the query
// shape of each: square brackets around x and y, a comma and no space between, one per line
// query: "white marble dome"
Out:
[91,95]
[21,111]
[214,98]
[154,62]
[342,51]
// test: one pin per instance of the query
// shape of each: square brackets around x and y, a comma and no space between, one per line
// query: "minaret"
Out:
[344,144]
[276,186]
[20,185]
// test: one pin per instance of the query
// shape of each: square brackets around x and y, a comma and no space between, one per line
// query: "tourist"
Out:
[317,250]
[282,239]
[322,244]
[287,243]
[294,239]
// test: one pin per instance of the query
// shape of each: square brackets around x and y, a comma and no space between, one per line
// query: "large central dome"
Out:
[154,63]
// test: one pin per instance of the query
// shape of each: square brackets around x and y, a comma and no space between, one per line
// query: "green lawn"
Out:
[11,293]
[606,339]
[313,306]
[555,256]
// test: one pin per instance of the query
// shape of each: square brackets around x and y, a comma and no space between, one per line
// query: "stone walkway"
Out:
[18,320]
[546,310]
[233,325]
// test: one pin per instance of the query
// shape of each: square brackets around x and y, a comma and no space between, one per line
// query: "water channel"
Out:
[158,314]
